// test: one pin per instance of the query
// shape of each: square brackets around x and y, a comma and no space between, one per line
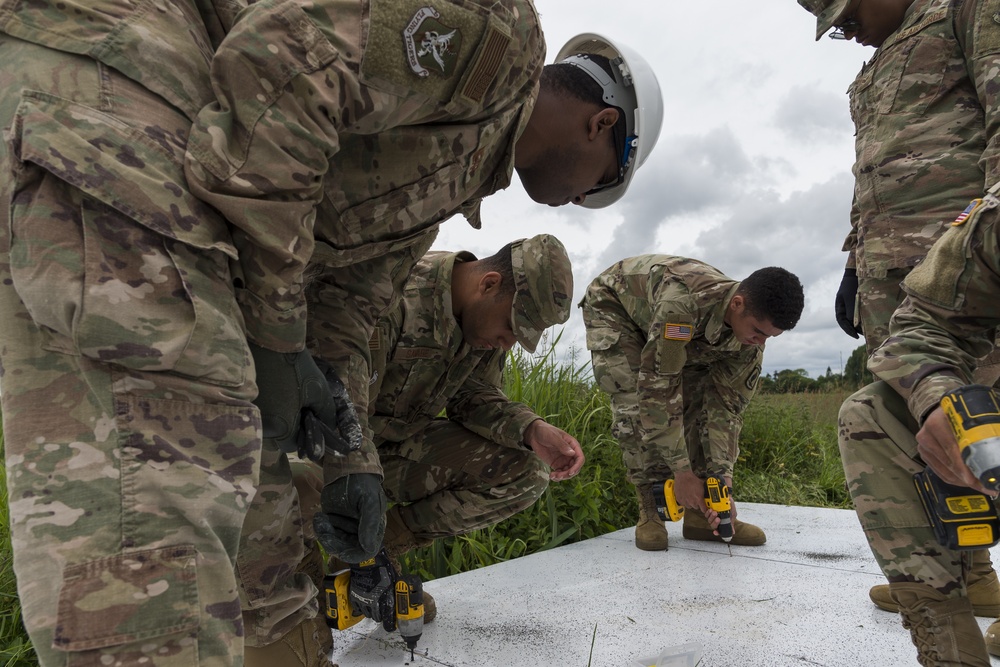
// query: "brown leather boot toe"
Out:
[744,534]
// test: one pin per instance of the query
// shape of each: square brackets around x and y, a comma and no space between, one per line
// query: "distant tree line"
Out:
[797,381]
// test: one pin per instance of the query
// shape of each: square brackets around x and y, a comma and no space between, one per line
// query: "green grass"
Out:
[788,452]
[788,456]
[15,647]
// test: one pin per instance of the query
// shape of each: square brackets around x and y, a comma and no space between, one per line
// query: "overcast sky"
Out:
[752,168]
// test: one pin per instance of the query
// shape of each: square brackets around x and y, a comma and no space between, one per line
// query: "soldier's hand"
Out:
[690,490]
[844,304]
[304,406]
[352,523]
[373,593]
[556,447]
[938,448]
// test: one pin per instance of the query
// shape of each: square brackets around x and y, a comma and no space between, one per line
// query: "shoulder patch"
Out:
[751,383]
[677,331]
[431,46]
[426,47]
[969,210]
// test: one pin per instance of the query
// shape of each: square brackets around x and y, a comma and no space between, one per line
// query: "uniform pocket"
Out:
[942,277]
[112,256]
[162,583]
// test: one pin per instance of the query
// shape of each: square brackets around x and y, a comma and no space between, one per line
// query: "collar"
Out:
[716,330]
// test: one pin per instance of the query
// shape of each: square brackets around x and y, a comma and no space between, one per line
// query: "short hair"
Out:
[775,295]
[572,81]
[502,264]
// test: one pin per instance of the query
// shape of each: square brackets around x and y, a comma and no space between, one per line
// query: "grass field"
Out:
[788,456]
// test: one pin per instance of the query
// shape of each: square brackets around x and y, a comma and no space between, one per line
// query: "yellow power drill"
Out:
[716,495]
[963,518]
[374,589]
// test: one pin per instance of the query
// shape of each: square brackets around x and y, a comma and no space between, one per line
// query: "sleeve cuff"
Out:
[278,330]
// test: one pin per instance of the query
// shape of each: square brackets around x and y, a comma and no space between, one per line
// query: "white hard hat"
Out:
[634,88]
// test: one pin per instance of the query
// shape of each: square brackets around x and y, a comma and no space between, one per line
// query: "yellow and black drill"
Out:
[716,495]
[963,518]
[374,589]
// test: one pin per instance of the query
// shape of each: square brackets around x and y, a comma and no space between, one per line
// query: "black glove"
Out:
[373,591]
[303,405]
[847,296]
[352,523]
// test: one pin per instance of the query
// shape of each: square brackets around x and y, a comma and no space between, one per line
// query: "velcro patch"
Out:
[969,210]
[421,46]
[375,342]
[677,331]
[484,70]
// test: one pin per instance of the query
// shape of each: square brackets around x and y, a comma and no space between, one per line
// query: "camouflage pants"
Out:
[616,371]
[879,451]
[132,448]
[878,298]
[448,480]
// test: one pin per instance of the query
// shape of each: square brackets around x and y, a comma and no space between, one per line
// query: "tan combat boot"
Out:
[650,531]
[309,644]
[983,591]
[744,534]
[943,629]
[399,540]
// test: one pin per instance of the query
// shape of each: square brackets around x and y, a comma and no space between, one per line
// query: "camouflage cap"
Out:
[543,287]
[826,12]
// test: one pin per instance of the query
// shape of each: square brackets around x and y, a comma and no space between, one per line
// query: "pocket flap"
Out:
[162,582]
[119,166]
[602,337]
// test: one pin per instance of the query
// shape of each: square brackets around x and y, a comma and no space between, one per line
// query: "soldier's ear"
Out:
[602,122]
[490,282]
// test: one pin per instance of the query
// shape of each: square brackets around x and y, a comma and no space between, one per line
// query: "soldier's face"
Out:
[486,323]
[572,164]
[747,329]
[875,19]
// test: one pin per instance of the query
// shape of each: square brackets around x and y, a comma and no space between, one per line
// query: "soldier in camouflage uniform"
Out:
[893,428]
[145,332]
[926,115]
[678,346]
[442,350]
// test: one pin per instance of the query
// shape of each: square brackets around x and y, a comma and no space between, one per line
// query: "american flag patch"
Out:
[677,331]
[964,215]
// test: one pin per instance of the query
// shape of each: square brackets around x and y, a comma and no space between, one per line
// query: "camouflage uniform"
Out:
[471,468]
[925,112]
[946,322]
[678,378]
[133,451]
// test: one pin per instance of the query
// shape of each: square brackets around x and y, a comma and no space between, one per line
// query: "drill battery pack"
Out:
[340,615]
[666,501]
[962,518]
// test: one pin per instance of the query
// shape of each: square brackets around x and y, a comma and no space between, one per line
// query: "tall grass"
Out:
[788,456]
[788,452]
[15,647]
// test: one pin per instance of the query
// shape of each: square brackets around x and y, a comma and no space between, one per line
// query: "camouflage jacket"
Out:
[926,114]
[348,128]
[949,316]
[678,305]
[423,366]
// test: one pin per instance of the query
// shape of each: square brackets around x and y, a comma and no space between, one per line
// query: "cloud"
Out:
[809,115]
